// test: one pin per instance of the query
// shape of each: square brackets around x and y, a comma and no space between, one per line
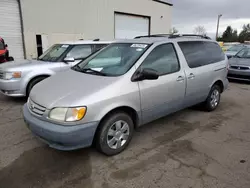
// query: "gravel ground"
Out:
[189,149]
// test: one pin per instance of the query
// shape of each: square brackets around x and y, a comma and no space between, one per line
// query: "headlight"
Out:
[68,114]
[10,75]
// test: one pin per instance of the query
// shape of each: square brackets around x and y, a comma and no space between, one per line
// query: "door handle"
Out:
[180,79]
[191,76]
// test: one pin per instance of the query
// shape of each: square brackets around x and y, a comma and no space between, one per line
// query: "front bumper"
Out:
[11,88]
[58,136]
[238,74]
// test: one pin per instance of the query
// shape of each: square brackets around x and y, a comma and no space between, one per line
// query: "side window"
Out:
[80,51]
[194,53]
[214,53]
[199,53]
[162,59]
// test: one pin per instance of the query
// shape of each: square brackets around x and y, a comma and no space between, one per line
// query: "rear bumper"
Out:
[11,88]
[58,136]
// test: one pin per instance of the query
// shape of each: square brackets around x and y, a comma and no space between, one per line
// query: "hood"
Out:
[239,61]
[21,64]
[67,88]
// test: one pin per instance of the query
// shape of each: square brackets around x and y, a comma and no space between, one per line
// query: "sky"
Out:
[187,14]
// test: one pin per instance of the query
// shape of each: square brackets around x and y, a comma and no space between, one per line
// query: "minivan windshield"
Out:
[54,53]
[114,60]
[245,53]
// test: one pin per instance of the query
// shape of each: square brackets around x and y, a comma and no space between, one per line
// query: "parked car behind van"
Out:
[232,51]
[239,65]
[18,78]
[125,85]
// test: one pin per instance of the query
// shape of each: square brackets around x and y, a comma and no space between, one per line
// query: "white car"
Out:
[18,78]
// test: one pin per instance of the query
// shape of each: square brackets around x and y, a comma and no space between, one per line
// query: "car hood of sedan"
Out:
[239,61]
[19,65]
[68,88]
[230,53]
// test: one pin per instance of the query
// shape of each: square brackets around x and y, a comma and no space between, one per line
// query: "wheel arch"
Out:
[126,109]
[220,84]
[33,78]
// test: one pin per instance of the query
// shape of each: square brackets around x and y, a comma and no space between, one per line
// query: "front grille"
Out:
[36,108]
[240,67]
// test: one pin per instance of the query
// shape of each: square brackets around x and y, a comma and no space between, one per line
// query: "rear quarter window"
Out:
[201,53]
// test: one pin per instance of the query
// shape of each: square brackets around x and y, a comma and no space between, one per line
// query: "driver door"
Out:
[166,94]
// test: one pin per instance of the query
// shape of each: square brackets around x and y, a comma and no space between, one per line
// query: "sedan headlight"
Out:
[68,114]
[10,75]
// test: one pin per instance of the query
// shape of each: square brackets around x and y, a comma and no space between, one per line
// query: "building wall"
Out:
[64,20]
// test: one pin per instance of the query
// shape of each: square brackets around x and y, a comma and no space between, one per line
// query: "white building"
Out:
[29,24]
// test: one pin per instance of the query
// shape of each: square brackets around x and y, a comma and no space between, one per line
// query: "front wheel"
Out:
[115,133]
[213,99]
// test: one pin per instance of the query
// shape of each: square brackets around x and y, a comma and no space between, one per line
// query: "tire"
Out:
[33,83]
[107,134]
[10,59]
[213,99]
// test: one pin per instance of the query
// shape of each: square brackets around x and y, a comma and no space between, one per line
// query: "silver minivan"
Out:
[127,84]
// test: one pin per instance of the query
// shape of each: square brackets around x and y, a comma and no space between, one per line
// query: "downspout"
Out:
[22,30]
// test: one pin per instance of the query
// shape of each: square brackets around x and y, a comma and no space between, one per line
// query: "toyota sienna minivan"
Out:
[101,100]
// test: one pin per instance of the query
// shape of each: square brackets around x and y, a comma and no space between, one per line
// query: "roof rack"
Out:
[174,36]
[156,35]
[189,35]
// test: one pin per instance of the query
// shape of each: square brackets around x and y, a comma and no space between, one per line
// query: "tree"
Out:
[173,30]
[229,35]
[245,33]
[200,30]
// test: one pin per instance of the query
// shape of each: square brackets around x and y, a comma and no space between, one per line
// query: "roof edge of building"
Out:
[164,2]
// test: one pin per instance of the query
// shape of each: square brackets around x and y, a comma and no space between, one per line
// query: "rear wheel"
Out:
[115,133]
[213,99]
[33,83]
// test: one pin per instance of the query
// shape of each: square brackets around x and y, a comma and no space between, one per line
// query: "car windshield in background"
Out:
[54,53]
[114,60]
[245,53]
[1,45]
[235,48]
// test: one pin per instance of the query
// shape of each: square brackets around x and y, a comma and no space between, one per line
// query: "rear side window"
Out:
[80,51]
[162,59]
[201,53]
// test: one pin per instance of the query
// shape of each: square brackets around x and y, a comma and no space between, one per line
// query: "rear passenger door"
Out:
[201,57]
[166,94]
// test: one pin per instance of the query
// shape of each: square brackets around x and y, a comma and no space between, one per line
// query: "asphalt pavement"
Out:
[189,149]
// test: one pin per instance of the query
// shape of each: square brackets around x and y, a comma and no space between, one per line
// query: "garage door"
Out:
[128,26]
[10,27]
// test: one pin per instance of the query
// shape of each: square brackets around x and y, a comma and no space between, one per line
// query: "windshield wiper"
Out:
[94,71]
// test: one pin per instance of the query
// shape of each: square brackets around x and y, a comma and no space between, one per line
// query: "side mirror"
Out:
[69,59]
[145,74]
[6,45]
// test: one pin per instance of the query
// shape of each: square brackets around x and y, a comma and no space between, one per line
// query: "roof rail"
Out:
[96,40]
[173,36]
[189,35]
[156,35]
